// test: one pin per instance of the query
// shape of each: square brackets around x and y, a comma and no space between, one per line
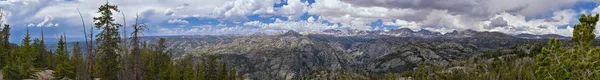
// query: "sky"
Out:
[224,17]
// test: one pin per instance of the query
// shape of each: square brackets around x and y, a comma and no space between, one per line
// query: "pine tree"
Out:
[583,33]
[65,68]
[36,44]
[578,62]
[157,62]
[77,61]
[42,53]
[211,67]
[107,58]
[200,70]
[187,69]
[4,46]
[20,65]
[148,57]
[163,60]
[223,73]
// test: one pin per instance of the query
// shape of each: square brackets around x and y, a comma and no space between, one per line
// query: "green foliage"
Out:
[106,66]
[501,68]
[583,33]
[36,47]
[4,45]
[21,65]
[578,62]
[223,74]
[157,61]
[65,68]
[158,65]
[77,62]
[186,69]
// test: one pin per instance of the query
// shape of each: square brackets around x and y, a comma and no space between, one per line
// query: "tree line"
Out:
[106,56]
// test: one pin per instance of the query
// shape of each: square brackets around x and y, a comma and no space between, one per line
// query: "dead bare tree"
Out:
[138,28]
[87,73]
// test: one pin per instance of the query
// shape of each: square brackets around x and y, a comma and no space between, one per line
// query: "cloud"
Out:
[498,22]
[238,10]
[46,21]
[404,24]
[508,16]
[178,21]
[357,17]
[31,25]
[294,9]
[447,16]
[518,24]
[482,8]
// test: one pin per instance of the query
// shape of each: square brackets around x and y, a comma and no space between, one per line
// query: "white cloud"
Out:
[47,19]
[358,17]
[518,24]
[294,9]
[30,25]
[178,21]
[447,16]
[404,24]
[238,10]
[29,11]
[443,16]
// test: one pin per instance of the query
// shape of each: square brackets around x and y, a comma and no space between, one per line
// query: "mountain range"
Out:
[288,54]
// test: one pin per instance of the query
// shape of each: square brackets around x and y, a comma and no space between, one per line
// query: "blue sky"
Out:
[218,17]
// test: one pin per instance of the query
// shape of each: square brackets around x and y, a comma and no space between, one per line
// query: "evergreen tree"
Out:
[223,73]
[211,67]
[65,68]
[42,53]
[4,45]
[187,69]
[21,65]
[163,60]
[583,33]
[157,62]
[578,62]
[77,61]
[36,44]
[107,61]
[148,60]
[200,70]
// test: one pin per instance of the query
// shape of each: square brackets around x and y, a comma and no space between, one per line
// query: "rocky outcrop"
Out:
[279,56]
